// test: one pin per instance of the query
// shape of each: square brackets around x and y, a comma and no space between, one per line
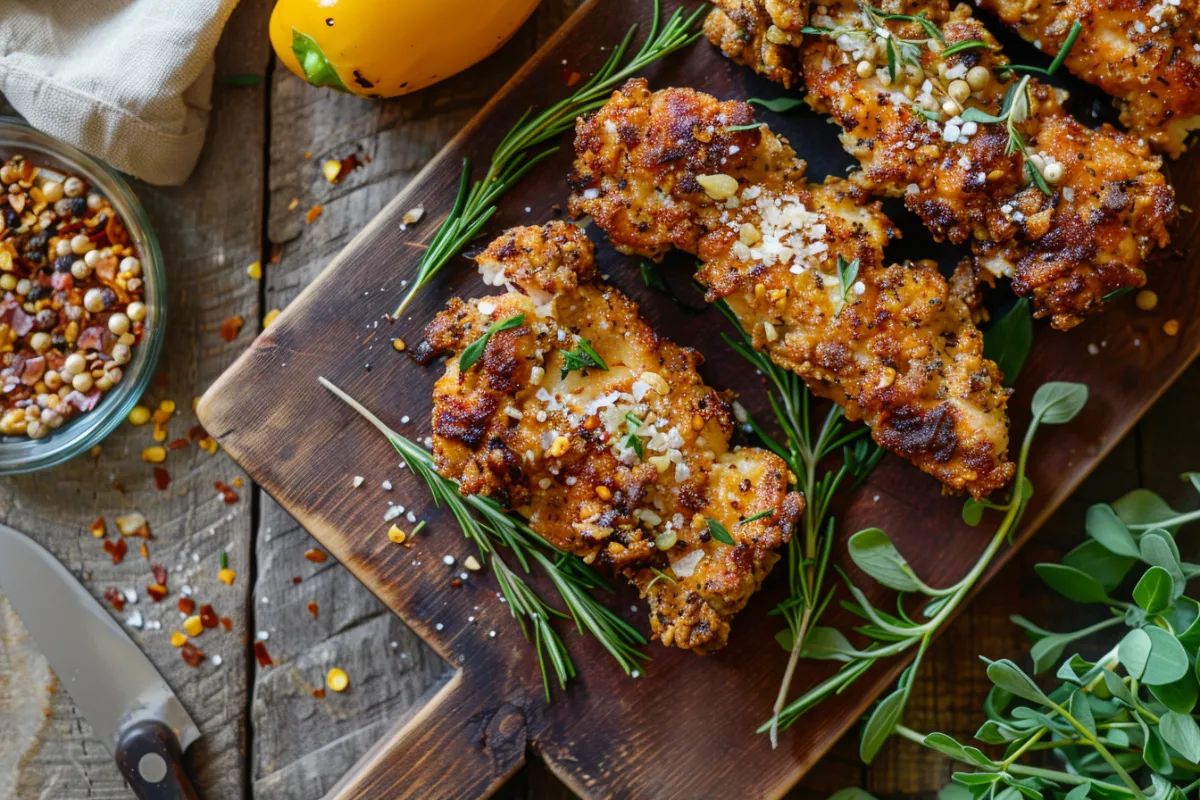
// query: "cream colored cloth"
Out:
[127,81]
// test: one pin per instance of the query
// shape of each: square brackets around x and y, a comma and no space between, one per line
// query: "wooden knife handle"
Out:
[149,757]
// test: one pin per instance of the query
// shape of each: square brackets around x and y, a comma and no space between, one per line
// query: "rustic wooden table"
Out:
[265,734]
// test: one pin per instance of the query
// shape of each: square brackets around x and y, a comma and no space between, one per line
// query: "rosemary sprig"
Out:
[1013,112]
[475,203]
[806,448]
[491,526]
[897,634]
[583,356]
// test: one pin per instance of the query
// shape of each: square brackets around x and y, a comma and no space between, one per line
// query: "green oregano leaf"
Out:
[474,351]
[1059,402]
[881,723]
[872,550]
[581,357]
[719,532]
[1009,340]
[778,104]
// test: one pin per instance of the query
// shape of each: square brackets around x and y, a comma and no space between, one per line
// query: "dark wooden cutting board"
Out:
[685,727]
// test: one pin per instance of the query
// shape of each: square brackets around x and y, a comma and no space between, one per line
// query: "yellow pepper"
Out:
[386,49]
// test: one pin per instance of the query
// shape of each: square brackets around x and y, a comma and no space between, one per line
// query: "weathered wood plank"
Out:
[302,745]
[209,230]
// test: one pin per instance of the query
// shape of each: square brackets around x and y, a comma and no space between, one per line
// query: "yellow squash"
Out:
[385,48]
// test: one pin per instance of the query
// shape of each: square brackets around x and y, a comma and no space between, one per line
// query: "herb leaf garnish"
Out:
[1008,341]
[474,351]
[719,532]
[652,276]
[582,357]
[748,127]
[633,440]
[770,512]
[847,277]
[777,104]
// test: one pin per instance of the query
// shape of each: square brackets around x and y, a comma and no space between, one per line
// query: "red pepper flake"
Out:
[456,583]
[319,693]
[157,592]
[316,556]
[119,487]
[97,528]
[115,596]
[177,444]
[145,551]
[573,78]
[297,579]
[116,549]
[260,652]
[187,605]
[312,214]
[231,327]
[276,253]
[196,433]
[208,617]
[162,478]
[225,489]
[160,574]
[312,608]
[191,654]
[227,624]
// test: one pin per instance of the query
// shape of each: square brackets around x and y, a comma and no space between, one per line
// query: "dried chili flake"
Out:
[208,617]
[162,478]
[227,624]
[115,596]
[312,214]
[260,652]
[196,433]
[133,524]
[187,605]
[227,492]
[319,693]
[231,327]
[297,579]
[116,549]
[456,583]
[145,551]
[313,608]
[157,592]
[177,444]
[97,528]
[160,574]
[191,654]
[316,556]
[276,253]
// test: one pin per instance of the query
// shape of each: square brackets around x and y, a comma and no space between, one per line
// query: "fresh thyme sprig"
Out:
[490,525]
[806,448]
[1013,112]
[475,203]
[897,634]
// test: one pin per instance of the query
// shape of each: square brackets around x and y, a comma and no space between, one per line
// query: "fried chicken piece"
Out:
[1145,54]
[1108,205]
[896,349]
[762,34]
[620,463]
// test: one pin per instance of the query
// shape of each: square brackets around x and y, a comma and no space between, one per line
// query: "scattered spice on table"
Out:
[72,306]
[313,608]
[231,327]
[227,624]
[318,693]
[162,478]
[157,592]
[260,653]
[116,597]
[97,528]
[312,214]
[208,617]
[133,524]
[145,551]
[192,654]
[227,493]
[338,680]
[187,605]
[316,556]
[116,548]
[160,574]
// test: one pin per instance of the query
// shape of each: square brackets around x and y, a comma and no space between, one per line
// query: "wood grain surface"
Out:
[607,734]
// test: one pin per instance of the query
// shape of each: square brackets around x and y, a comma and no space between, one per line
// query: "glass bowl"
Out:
[85,430]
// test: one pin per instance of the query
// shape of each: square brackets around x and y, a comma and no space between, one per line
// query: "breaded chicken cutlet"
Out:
[891,344]
[1069,213]
[602,434]
[1145,53]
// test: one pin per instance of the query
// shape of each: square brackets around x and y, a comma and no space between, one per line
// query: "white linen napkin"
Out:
[127,81]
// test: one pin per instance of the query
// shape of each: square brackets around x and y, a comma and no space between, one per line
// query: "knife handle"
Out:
[149,757]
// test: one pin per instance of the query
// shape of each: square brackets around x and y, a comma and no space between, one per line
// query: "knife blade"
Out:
[130,707]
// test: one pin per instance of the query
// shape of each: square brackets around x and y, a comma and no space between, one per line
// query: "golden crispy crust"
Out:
[1093,234]
[748,32]
[557,448]
[899,351]
[1145,53]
